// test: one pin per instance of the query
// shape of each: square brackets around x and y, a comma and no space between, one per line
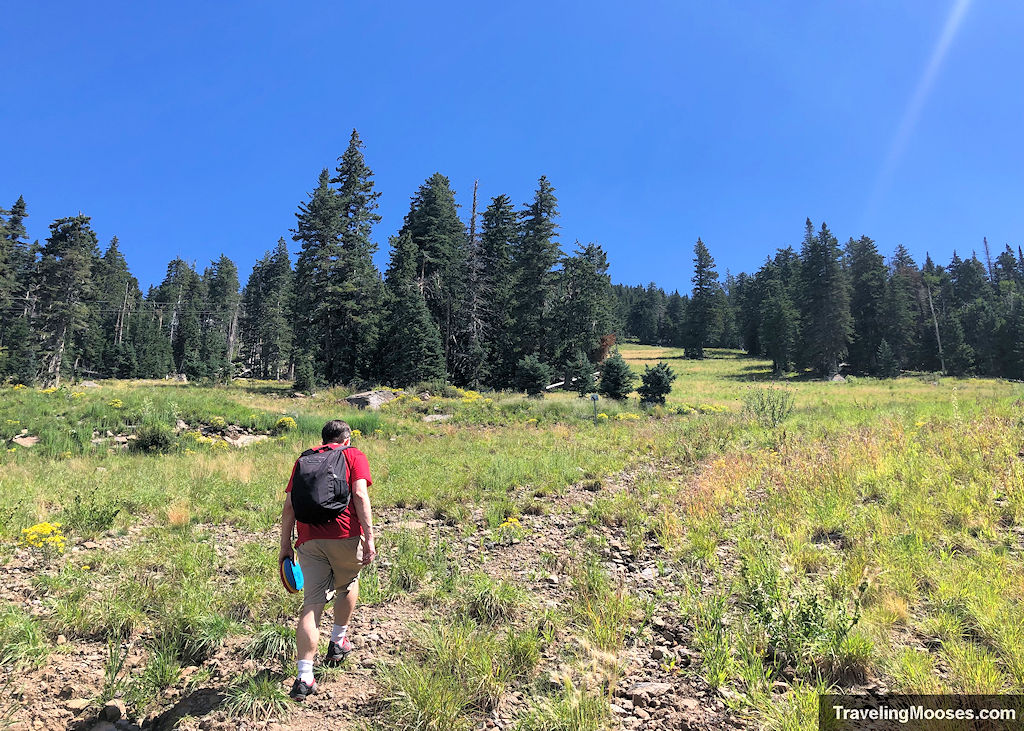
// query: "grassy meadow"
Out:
[873,537]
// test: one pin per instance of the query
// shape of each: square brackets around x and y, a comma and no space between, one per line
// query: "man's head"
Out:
[336,432]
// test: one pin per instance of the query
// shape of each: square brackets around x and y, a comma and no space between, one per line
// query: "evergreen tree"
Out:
[888,363]
[439,239]
[266,329]
[867,302]
[318,273]
[583,308]
[902,311]
[826,302]
[779,326]
[412,350]
[219,319]
[359,290]
[704,303]
[532,375]
[180,299]
[579,374]
[150,343]
[674,322]
[533,261]
[497,241]
[657,384]
[646,313]
[65,286]
[617,378]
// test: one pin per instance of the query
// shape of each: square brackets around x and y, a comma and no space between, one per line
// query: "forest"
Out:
[495,302]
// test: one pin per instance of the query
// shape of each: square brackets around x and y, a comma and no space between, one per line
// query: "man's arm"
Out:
[361,501]
[287,526]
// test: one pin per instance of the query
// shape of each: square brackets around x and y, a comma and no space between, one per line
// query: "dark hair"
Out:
[335,432]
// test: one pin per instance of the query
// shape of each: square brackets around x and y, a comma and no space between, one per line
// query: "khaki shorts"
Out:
[329,566]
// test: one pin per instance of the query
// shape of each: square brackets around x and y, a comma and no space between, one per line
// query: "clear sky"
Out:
[192,129]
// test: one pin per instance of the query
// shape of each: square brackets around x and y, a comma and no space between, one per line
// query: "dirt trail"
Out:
[652,692]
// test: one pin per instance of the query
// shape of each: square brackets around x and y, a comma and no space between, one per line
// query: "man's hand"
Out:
[286,552]
[369,551]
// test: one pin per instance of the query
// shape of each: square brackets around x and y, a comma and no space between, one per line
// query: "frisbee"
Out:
[291,576]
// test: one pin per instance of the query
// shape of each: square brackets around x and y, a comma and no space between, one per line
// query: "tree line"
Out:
[834,308]
[481,304]
[493,301]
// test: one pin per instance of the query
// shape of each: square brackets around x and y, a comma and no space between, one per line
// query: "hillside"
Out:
[688,566]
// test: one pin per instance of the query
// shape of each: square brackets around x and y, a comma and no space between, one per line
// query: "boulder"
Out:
[89,384]
[370,399]
[437,417]
[838,379]
[244,440]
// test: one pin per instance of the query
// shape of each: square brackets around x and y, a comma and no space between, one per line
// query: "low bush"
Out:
[768,406]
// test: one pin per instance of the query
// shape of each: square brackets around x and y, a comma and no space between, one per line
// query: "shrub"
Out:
[532,375]
[579,375]
[91,512]
[657,384]
[769,406]
[153,436]
[284,424]
[616,378]
[801,627]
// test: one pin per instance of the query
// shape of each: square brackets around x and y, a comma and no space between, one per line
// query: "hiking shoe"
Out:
[301,689]
[338,651]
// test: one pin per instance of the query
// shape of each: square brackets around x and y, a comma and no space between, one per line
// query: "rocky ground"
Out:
[659,684]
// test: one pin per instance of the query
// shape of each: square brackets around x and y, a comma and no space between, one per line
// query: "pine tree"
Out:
[411,349]
[617,378]
[778,332]
[582,310]
[180,299]
[657,384]
[533,261]
[359,290]
[65,286]
[888,363]
[439,239]
[318,274]
[219,322]
[266,328]
[867,302]
[497,241]
[532,375]
[703,310]
[902,311]
[150,342]
[579,374]
[826,302]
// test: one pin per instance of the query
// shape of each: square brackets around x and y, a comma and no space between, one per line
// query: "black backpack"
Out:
[320,489]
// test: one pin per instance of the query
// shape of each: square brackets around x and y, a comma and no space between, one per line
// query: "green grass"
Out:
[875,529]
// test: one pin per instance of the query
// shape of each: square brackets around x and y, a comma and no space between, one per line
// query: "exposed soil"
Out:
[659,682]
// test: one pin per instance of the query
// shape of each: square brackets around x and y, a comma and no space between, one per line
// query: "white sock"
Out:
[338,632]
[306,671]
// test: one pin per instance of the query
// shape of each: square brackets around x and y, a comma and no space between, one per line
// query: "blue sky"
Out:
[197,128]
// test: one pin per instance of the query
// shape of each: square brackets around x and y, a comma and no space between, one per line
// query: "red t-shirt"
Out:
[347,524]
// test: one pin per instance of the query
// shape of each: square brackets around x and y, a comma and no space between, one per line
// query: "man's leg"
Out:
[345,605]
[307,633]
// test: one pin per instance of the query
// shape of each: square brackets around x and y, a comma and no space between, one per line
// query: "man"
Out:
[330,555]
